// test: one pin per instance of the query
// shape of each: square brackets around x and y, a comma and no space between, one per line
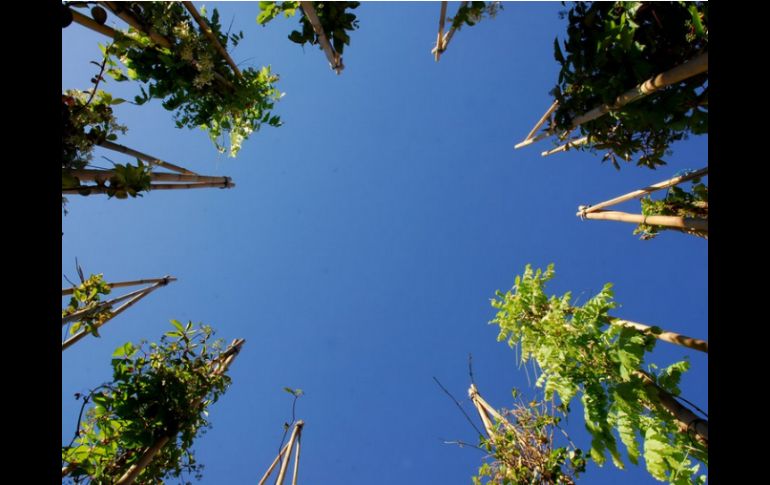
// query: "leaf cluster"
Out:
[677,202]
[334,17]
[87,119]
[124,181]
[611,47]
[158,390]
[191,78]
[581,354]
[471,13]
[86,298]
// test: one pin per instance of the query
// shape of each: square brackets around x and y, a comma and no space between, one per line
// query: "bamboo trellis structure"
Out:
[182,179]
[335,60]
[132,297]
[218,367]
[665,336]
[691,68]
[696,225]
[285,455]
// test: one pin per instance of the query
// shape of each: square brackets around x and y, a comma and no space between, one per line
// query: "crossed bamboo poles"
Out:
[132,297]
[182,178]
[296,436]
[694,225]
[442,40]
[693,67]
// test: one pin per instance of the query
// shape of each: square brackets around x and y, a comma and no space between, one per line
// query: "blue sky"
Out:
[360,248]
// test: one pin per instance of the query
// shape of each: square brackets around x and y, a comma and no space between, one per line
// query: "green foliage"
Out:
[336,22]
[192,78]
[522,450]
[85,124]
[124,181]
[86,298]
[580,354]
[677,202]
[471,13]
[612,47]
[158,390]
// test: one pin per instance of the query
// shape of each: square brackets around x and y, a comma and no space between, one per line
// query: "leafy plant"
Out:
[87,119]
[677,202]
[471,13]
[86,299]
[158,390]
[191,77]
[580,354]
[522,451]
[124,181]
[334,18]
[612,47]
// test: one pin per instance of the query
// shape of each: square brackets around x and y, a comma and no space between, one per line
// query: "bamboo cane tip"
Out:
[472,391]
[300,423]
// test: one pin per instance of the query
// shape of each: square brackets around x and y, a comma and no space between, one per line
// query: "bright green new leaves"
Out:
[159,390]
[334,18]
[192,78]
[581,354]
[87,301]
[677,202]
[611,47]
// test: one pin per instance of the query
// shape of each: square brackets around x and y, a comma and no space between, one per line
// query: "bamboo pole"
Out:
[566,146]
[687,420]
[272,465]
[98,175]
[296,461]
[139,295]
[212,38]
[123,284]
[641,192]
[92,24]
[684,71]
[285,464]
[142,156]
[331,55]
[685,223]
[530,141]
[542,120]
[133,472]
[440,37]
[440,49]
[670,337]
[226,184]
[473,393]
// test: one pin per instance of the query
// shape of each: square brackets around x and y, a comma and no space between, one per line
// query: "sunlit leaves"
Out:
[581,355]
[158,390]
[610,47]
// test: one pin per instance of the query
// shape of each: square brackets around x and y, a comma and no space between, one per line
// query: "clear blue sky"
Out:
[359,251]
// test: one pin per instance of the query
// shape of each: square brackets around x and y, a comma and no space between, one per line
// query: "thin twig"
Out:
[470,367]
[459,406]
[463,444]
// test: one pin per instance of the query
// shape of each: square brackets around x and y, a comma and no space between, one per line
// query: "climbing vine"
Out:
[523,450]
[610,47]
[191,77]
[580,354]
[87,119]
[158,390]
[677,202]
[335,19]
